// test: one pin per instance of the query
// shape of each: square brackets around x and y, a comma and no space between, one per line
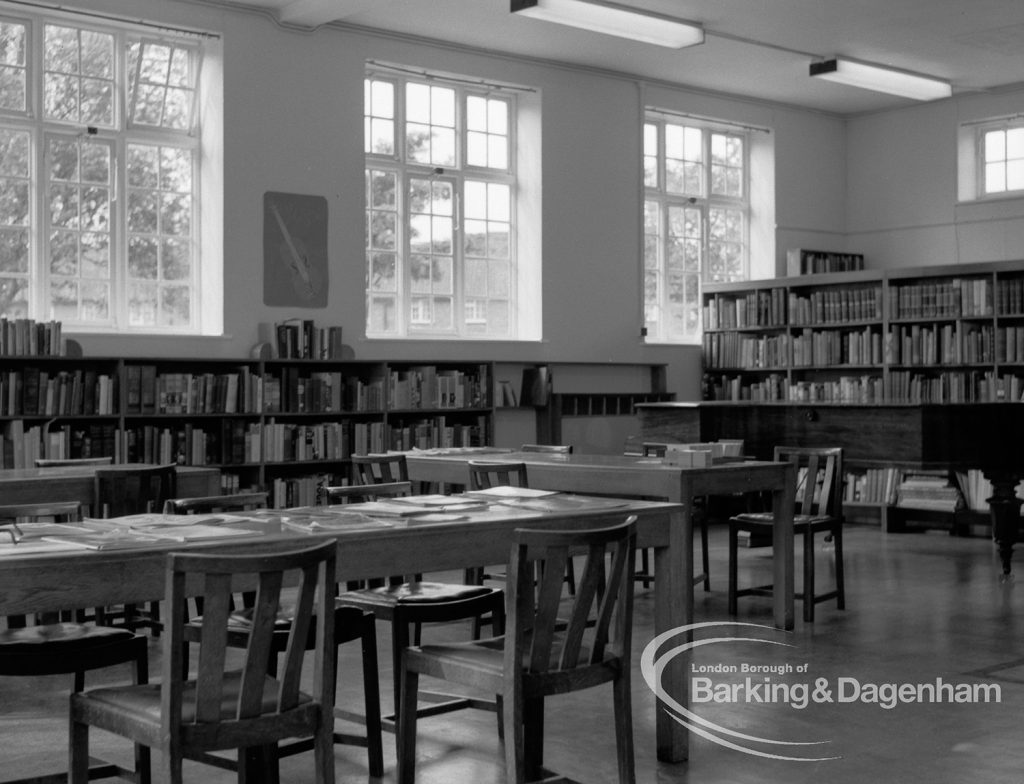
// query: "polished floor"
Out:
[922,608]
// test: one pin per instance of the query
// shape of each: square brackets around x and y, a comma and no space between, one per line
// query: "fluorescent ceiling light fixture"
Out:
[882,79]
[613,19]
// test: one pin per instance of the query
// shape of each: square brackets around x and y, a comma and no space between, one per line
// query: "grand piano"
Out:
[953,436]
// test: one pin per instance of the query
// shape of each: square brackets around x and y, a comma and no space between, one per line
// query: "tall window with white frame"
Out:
[98,176]
[696,220]
[1002,153]
[440,217]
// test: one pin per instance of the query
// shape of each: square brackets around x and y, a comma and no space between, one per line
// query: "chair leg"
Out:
[837,539]
[621,692]
[533,738]
[406,724]
[733,567]
[323,751]
[808,576]
[512,718]
[705,558]
[78,753]
[371,693]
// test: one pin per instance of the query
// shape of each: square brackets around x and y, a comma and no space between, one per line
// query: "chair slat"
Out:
[586,595]
[212,651]
[258,652]
[291,670]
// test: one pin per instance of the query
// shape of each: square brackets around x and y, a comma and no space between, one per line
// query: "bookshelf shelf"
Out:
[285,425]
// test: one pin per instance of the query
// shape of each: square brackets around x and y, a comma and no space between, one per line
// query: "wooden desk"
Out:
[37,582]
[75,483]
[634,476]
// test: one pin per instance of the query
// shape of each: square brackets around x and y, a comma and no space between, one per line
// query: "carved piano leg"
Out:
[1005,507]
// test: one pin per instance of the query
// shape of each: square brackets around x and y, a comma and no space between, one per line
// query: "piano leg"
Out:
[1005,507]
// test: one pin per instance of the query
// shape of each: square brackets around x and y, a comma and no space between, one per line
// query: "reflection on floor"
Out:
[922,608]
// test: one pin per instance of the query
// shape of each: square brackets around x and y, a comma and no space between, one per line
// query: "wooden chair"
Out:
[646,576]
[537,657]
[375,469]
[46,645]
[819,508]
[127,490]
[53,462]
[491,473]
[550,449]
[445,602]
[350,624]
[225,708]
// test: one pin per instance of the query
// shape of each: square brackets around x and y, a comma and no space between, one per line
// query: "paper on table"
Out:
[507,491]
[334,521]
[440,502]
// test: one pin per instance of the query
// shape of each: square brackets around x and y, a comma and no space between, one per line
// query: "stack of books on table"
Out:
[931,491]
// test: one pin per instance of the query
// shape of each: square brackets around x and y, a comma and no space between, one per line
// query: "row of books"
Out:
[425,386]
[1010,296]
[976,490]
[734,349]
[837,347]
[21,445]
[437,433]
[302,339]
[943,299]
[800,261]
[765,308]
[836,306]
[20,337]
[873,486]
[775,387]
[946,344]
[33,391]
[289,492]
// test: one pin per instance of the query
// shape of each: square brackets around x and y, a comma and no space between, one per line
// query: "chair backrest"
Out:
[492,473]
[126,490]
[352,494]
[53,462]
[599,623]
[235,502]
[819,478]
[374,469]
[224,694]
[550,449]
[53,511]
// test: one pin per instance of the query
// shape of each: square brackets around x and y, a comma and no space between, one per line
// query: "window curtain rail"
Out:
[36,5]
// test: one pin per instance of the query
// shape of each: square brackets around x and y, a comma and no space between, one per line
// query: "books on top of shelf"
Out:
[301,339]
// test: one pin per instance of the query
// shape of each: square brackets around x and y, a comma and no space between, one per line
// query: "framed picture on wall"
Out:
[294,250]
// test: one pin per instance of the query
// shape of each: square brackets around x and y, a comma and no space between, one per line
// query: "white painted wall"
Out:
[903,188]
[293,122]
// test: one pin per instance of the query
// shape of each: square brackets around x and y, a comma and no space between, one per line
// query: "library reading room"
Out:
[507,391]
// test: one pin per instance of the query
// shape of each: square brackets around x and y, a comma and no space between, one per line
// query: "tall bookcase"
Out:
[284,425]
[925,335]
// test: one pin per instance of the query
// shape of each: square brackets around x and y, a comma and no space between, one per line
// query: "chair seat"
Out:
[68,637]
[414,592]
[142,702]
[768,519]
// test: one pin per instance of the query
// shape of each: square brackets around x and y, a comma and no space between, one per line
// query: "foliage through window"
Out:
[696,217]
[440,189]
[98,176]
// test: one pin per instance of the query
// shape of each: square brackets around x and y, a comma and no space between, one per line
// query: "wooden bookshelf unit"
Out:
[284,425]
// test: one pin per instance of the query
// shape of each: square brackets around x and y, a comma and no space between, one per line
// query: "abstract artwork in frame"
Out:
[294,250]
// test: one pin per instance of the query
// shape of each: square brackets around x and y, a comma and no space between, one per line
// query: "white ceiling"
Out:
[753,48]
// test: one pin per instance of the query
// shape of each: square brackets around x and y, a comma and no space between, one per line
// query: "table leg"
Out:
[1005,509]
[783,500]
[673,608]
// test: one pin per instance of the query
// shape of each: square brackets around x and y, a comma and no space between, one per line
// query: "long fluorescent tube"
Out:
[612,19]
[882,79]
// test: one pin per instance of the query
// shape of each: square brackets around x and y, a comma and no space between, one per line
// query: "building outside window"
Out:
[696,219]
[441,192]
[99,170]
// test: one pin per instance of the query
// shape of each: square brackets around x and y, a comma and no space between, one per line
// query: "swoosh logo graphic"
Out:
[652,666]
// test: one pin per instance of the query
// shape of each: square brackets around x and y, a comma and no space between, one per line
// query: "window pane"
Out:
[13,72]
[995,146]
[78,75]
